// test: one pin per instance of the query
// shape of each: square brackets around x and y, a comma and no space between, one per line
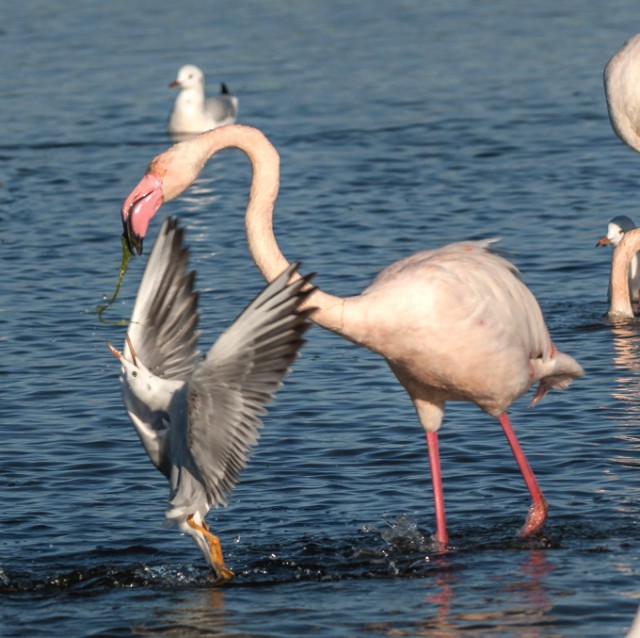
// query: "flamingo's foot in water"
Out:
[223,573]
[440,541]
[536,518]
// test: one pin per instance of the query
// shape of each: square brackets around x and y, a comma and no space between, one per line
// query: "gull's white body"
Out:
[192,111]
[454,324]
[199,418]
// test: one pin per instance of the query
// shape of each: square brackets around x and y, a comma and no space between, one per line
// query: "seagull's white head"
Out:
[141,381]
[616,229]
[189,77]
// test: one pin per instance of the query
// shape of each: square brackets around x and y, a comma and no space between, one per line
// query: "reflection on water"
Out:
[518,602]
[519,605]
[202,196]
[196,614]
[626,359]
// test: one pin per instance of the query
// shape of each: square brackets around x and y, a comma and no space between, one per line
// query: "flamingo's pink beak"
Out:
[138,209]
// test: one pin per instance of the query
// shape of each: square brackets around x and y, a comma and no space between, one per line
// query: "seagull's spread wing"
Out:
[163,333]
[241,373]
[164,323]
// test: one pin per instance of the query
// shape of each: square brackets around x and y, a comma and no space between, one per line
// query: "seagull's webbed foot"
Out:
[217,560]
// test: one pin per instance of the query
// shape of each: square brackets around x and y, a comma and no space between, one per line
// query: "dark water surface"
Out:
[402,126]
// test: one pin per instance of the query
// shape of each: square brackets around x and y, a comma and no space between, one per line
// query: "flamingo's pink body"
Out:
[622,92]
[454,324]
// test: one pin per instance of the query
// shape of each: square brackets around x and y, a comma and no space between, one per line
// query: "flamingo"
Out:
[192,112]
[620,304]
[454,324]
[622,92]
[616,230]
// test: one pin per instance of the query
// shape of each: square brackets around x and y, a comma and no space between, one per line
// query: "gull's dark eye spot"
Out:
[134,373]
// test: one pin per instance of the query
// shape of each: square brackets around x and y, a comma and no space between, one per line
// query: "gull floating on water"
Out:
[199,418]
[616,230]
[192,112]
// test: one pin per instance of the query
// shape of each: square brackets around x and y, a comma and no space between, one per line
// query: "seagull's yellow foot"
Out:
[223,573]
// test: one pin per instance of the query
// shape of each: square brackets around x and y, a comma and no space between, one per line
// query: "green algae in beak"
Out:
[101,308]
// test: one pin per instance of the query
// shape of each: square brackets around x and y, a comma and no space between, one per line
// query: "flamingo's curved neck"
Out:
[263,246]
[620,305]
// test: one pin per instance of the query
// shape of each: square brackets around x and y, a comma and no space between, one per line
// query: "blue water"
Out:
[402,126]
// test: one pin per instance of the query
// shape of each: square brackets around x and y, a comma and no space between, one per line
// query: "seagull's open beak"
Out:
[118,355]
[140,206]
[603,241]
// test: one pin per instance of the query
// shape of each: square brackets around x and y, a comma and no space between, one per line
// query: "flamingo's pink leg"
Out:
[538,510]
[436,481]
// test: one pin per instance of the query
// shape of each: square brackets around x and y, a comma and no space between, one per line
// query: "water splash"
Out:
[404,537]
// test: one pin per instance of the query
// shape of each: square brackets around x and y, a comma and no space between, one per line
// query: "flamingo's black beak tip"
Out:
[134,241]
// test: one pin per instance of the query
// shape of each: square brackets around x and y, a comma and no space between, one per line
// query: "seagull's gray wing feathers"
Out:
[222,108]
[163,332]
[240,375]
[164,323]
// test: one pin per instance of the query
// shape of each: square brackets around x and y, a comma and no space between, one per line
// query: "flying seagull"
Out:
[198,418]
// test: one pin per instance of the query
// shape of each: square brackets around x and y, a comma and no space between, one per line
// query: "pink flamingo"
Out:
[454,324]
[622,91]
[620,304]
[616,230]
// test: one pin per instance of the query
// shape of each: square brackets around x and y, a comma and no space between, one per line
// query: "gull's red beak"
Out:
[603,241]
[138,209]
